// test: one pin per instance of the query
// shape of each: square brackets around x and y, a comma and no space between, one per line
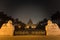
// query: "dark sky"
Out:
[24,10]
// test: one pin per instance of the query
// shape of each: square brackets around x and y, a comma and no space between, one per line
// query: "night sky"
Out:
[25,10]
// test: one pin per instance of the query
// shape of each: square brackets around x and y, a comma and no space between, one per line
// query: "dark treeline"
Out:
[56,18]
[19,25]
[4,18]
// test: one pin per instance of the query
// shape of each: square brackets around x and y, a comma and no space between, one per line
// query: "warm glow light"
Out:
[52,28]
[7,29]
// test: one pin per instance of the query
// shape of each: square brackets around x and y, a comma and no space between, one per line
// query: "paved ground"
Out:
[30,37]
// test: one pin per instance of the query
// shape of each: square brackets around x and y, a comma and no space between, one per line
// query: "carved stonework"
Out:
[52,28]
[7,29]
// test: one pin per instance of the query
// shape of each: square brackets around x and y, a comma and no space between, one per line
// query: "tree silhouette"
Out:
[41,25]
[56,18]
[4,18]
[21,24]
